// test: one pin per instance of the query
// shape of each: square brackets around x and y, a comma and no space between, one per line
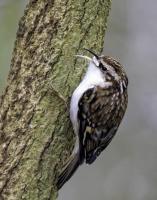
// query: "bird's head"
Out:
[108,66]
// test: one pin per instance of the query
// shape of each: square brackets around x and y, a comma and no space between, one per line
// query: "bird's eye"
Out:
[102,67]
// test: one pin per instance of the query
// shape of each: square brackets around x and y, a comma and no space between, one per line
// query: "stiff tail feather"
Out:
[69,170]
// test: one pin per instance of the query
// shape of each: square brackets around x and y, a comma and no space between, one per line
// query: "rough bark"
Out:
[36,136]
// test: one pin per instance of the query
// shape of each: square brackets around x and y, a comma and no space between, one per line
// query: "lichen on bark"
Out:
[36,136]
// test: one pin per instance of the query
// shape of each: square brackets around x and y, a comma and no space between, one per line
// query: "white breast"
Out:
[93,77]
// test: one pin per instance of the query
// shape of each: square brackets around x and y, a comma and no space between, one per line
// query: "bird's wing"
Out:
[100,113]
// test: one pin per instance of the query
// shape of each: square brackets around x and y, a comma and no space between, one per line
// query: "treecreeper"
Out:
[97,108]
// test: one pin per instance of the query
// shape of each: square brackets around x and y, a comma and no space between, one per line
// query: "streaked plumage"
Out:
[97,107]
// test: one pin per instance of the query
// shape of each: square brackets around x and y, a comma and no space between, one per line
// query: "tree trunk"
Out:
[36,136]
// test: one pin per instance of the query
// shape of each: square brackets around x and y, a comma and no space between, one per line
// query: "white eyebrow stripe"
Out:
[121,87]
[95,61]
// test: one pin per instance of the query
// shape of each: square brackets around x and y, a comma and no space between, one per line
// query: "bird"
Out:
[97,108]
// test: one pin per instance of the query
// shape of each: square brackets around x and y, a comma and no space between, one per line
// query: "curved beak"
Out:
[95,59]
[90,51]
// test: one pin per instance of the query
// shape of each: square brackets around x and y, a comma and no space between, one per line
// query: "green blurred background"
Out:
[127,170]
[10,12]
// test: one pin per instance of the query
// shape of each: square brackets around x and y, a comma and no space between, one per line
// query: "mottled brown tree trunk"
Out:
[36,136]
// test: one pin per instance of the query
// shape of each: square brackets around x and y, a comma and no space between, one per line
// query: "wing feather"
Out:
[100,113]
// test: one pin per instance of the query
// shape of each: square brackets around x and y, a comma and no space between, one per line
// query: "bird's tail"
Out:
[69,170]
